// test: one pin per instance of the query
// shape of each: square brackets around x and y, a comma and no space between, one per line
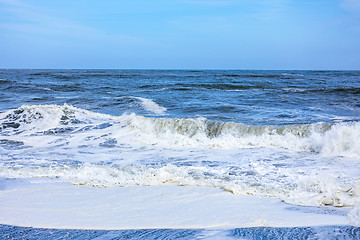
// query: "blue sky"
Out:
[180,34]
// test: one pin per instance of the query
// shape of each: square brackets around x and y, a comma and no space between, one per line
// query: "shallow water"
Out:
[329,232]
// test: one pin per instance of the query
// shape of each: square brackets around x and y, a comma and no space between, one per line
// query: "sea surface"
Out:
[292,136]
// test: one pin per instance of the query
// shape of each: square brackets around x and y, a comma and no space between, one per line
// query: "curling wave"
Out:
[329,139]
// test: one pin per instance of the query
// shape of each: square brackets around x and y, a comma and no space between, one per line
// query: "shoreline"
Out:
[316,232]
[56,205]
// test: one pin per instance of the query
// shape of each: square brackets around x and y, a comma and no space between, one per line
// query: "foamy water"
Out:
[203,135]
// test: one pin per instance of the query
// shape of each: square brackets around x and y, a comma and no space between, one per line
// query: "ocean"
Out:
[215,154]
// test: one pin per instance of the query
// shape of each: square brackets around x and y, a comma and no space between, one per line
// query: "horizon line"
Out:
[181,69]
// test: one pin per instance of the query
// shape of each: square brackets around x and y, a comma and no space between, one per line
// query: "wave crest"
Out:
[151,106]
[339,139]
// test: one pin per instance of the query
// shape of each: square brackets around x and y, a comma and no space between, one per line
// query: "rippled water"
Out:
[250,97]
[332,232]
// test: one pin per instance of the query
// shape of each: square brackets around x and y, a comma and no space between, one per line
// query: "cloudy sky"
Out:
[180,34]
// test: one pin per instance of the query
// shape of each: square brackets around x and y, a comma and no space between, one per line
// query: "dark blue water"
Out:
[251,97]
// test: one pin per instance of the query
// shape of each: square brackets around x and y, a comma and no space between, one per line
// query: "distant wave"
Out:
[151,106]
[348,90]
[3,81]
[217,86]
[244,87]
[328,139]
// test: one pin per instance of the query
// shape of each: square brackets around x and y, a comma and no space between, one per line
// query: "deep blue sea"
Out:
[249,97]
[287,135]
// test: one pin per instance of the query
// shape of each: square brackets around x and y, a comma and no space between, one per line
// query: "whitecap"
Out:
[151,106]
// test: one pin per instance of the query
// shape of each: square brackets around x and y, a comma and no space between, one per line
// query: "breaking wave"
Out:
[328,139]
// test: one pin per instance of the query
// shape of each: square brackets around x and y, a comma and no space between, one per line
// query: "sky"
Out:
[180,34]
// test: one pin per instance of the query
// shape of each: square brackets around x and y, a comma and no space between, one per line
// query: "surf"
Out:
[326,139]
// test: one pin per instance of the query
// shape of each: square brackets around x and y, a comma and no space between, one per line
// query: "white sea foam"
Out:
[59,205]
[310,189]
[87,148]
[354,215]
